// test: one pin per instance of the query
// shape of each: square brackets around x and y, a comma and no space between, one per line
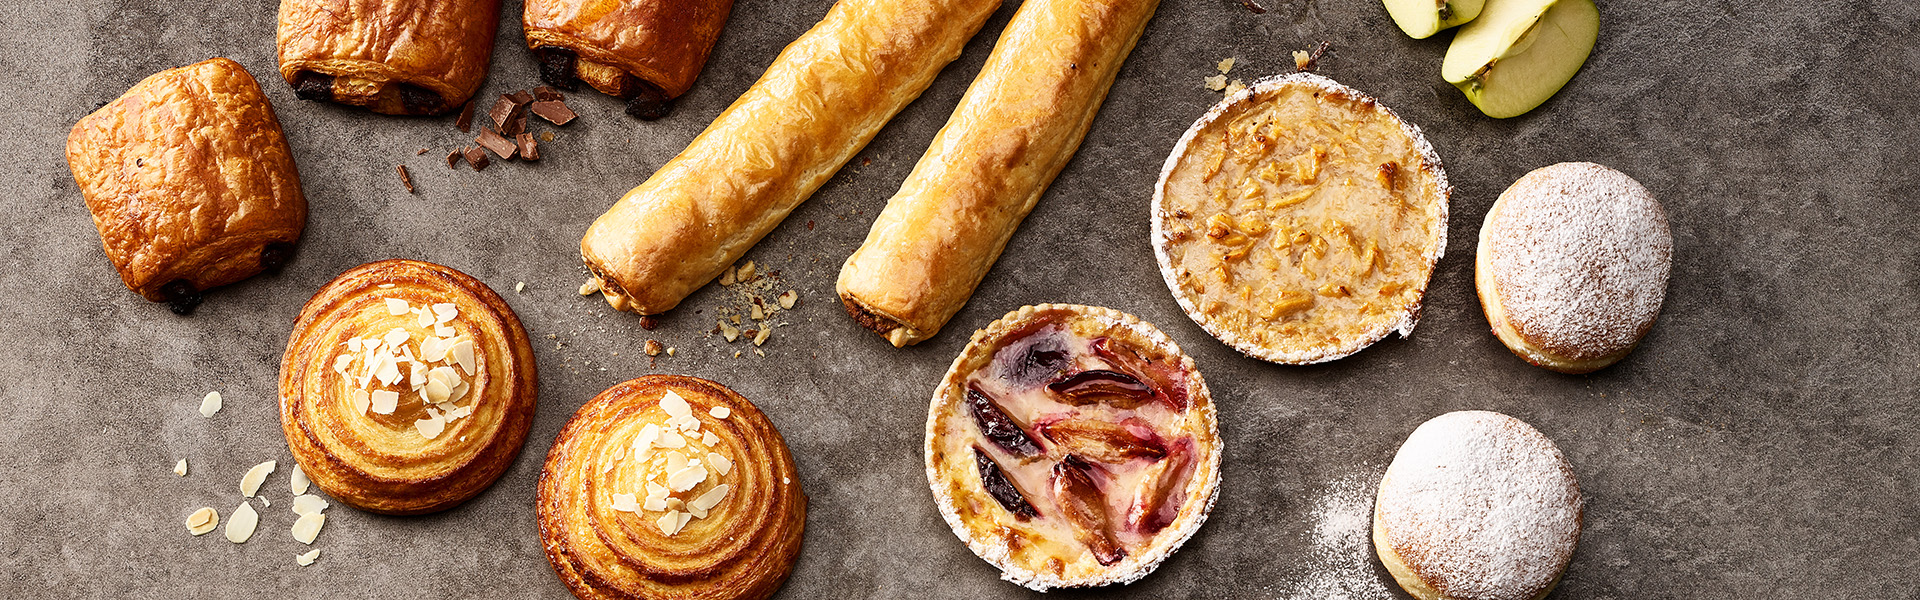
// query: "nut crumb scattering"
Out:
[1215,82]
[1226,65]
[210,404]
[405,179]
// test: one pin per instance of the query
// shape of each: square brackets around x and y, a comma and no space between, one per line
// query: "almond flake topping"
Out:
[385,401]
[308,527]
[719,463]
[624,502]
[397,307]
[670,523]
[432,426]
[203,521]
[445,311]
[299,481]
[709,439]
[713,496]
[180,468]
[241,524]
[675,405]
[720,412]
[250,483]
[308,558]
[308,504]
[210,404]
[462,353]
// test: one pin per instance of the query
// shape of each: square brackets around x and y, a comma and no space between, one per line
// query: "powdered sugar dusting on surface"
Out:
[1340,562]
[1581,255]
[1482,506]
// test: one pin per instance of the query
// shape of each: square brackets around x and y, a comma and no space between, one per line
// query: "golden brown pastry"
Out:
[407,387]
[1477,505]
[1014,130]
[1299,220]
[645,51]
[671,487]
[190,182]
[398,57]
[1573,266]
[822,100]
[1073,446]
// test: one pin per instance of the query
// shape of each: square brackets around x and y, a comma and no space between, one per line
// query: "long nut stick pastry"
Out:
[398,57]
[190,182]
[1014,130]
[671,487]
[646,51]
[823,99]
[407,387]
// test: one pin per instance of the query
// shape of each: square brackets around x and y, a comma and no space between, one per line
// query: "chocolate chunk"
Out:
[554,111]
[503,110]
[477,157]
[309,85]
[465,122]
[519,97]
[650,104]
[557,68]
[275,255]
[529,149]
[422,151]
[547,93]
[181,297]
[454,157]
[404,178]
[416,100]
[517,124]
[493,141]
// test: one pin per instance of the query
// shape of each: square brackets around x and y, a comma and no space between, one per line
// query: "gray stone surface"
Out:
[1759,444]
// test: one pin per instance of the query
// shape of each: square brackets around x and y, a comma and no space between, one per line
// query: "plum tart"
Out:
[1072,446]
[1299,221]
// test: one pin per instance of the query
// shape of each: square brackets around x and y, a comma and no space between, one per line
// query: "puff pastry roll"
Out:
[398,57]
[190,182]
[407,387]
[671,487]
[1014,130]
[822,100]
[645,51]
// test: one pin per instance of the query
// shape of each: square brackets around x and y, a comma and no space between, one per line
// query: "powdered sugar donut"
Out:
[1573,266]
[1477,505]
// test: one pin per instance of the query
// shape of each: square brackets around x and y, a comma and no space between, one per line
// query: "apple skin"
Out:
[1420,19]
[1519,53]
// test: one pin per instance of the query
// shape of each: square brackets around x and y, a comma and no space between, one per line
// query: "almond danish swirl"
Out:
[407,387]
[671,487]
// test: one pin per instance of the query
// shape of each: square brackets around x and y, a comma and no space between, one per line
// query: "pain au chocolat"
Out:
[646,52]
[397,57]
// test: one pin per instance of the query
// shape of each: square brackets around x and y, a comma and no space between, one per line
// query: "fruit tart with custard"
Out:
[1073,446]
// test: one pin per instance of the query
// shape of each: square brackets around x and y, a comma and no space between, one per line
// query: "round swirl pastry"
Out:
[407,387]
[671,487]
[1573,266]
[1477,505]
[1072,446]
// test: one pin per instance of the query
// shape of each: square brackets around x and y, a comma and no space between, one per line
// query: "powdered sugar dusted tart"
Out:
[1072,446]
[1299,220]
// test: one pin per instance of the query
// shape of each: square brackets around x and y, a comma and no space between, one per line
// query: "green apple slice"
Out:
[1518,53]
[1423,18]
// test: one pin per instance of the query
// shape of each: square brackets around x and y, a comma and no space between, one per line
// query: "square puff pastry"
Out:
[190,182]
[398,57]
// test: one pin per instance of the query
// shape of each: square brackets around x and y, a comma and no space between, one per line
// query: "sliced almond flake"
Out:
[459,412]
[444,330]
[459,391]
[624,503]
[308,558]
[684,518]
[308,527]
[670,439]
[720,464]
[519,286]
[210,404]
[361,402]
[757,313]
[299,480]
[396,337]
[385,401]
[698,513]
[417,376]
[241,523]
[688,423]
[669,523]
[264,502]
[655,490]
[675,461]
[647,436]
[462,352]
[675,405]
[342,362]
[433,349]
[389,372]
[424,320]
[653,504]
[709,439]
[710,499]
[250,483]
[685,479]
[787,298]
[406,352]
[180,468]
[437,390]
[720,412]
[308,504]
[430,427]
[445,311]
[203,521]
[397,307]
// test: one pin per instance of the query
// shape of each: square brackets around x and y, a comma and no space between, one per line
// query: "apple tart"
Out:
[1072,446]
[1299,221]
[407,387]
[671,487]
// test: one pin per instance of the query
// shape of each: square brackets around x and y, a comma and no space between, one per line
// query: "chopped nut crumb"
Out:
[746,273]
[761,338]
[653,348]
[180,468]
[787,299]
[1235,87]
[1216,82]
[728,331]
[1226,65]
[590,287]
[726,276]
[669,352]
[519,287]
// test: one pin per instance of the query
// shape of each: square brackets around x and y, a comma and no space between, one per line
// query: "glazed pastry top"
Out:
[441,45]
[663,42]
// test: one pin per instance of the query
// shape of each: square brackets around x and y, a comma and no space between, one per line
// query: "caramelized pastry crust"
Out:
[190,182]
[1299,221]
[398,57]
[407,387]
[820,102]
[1072,446]
[671,487]
[648,51]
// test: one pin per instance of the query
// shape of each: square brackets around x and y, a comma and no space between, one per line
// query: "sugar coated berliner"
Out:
[1573,266]
[1477,505]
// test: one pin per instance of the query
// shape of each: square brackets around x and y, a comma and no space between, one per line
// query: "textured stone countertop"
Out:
[1760,443]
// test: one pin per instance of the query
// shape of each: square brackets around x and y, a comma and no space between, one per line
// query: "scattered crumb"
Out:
[210,404]
[669,352]
[203,521]
[519,287]
[653,348]
[1235,87]
[308,558]
[180,468]
[1216,82]
[1226,65]
[590,287]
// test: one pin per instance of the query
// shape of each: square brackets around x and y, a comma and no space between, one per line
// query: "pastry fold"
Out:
[190,182]
[820,102]
[648,51]
[1017,126]
[671,487]
[398,57]
[458,417]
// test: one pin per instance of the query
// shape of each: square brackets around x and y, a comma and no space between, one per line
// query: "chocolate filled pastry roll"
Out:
[820,102]
[645,51]
[190,182]
[398,57]
[1014,130]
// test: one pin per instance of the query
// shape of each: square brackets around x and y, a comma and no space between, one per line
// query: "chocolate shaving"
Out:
[493,141]
[1314,55]
[465,122]
[547,93]
[404,178]
[454,157]
[554,111]
[477,157]
[1254,7]
[422,151]
[529,149]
